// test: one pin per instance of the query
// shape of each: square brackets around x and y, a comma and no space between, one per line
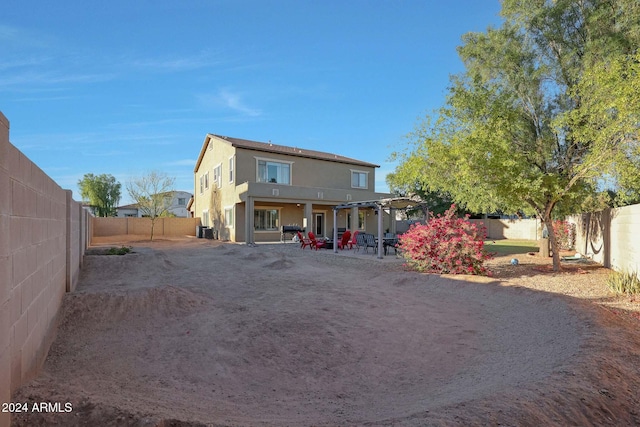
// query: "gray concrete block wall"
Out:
[8,302]
[40,254]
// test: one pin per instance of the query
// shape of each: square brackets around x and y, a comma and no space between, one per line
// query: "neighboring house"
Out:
[248,190]
[128,211]
[177,206]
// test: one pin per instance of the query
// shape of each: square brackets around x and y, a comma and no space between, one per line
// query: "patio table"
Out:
[388,242]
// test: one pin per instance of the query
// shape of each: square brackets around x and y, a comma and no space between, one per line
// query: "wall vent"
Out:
[275,192]
[349,198]
[320,195]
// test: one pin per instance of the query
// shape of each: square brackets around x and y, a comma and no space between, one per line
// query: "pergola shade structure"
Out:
[391,204]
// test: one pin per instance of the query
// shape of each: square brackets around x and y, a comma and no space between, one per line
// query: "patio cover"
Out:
[397,203]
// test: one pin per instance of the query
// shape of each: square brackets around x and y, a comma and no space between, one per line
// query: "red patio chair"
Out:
[316,243]
[344,241]
[353,242]
[304,242]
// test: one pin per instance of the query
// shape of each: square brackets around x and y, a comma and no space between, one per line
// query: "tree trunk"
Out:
[555,247]
[153,223]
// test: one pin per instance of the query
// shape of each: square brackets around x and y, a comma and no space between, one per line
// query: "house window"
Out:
[217,176]
[202,184]
[359,179]
[182,201]
[228,217]
[266,219]
[230,169]
[205,218]
[275,172]
[206,181]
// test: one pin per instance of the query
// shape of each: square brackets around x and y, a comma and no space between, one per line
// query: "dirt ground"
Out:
[193,332]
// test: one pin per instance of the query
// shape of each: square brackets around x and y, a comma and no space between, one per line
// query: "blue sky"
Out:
[124,87]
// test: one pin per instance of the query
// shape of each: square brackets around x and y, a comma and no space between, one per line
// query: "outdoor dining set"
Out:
[358,240]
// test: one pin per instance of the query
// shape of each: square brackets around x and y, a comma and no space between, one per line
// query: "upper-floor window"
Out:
[359,179]
[201,184]
[217,176]
[230,169]
[276,172]
[206,181]
[182,201]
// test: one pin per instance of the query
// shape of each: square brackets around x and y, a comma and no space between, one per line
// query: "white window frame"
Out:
[229,216]
[267,208]
[205,218]
[206,181]
[231,168]
[201,184]
[276,161]
[366,179]
[217,175]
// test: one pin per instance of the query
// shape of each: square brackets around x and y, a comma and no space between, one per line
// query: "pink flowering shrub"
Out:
[446,244]
[565,234]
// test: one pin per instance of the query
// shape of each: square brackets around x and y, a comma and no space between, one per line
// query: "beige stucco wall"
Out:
[41,249]
[215,200]
[305,172]
[103,227]
[610,237]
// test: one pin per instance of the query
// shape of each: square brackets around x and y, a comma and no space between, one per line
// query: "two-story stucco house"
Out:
[248,190]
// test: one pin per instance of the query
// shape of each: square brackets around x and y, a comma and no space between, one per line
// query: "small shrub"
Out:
[624,283]
[119,251]
[446,244]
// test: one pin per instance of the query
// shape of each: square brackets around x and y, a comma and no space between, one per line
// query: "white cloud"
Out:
[227,99]
[181,63]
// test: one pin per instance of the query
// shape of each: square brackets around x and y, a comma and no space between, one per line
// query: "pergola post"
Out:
[380,233]
[335,230]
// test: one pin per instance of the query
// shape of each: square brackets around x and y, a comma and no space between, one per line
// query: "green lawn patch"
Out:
[511,247]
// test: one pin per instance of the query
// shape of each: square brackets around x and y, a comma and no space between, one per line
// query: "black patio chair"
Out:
[360,241]
[370,242]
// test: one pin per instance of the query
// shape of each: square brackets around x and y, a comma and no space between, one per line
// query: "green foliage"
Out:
[624,283]
[152,193]
[119,251]
[609,115]
[102,192]
[547,107]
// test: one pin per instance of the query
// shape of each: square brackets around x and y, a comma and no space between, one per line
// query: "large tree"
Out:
[101,192]
[153,194]
[516,132]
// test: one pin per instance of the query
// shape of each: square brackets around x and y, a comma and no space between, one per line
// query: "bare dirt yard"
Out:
[193,332]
